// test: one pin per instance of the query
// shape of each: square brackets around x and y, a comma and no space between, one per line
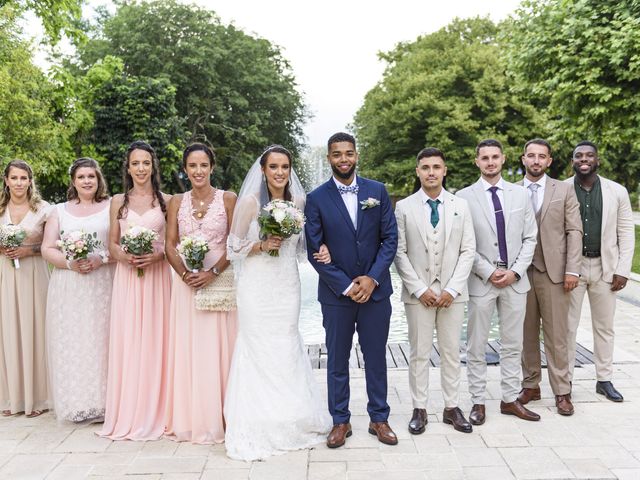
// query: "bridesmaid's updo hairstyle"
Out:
[101,193]
[127,181]
[265,193]
[32,191]
[198,147]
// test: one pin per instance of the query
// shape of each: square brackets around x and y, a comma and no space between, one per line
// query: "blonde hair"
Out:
[32,192]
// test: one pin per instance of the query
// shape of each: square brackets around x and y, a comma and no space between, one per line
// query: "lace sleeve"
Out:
[301,248]
[241,237]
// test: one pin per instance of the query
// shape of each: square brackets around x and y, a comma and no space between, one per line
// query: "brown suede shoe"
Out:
[418,421]
[517,409]
[528,394]
[455,417]
[383,431]
[564,405]
[338,435]
[477,414]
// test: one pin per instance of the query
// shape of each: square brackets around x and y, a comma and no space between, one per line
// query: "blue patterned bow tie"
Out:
[350,189]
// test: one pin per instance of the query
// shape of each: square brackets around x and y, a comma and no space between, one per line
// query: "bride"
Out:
[271,404]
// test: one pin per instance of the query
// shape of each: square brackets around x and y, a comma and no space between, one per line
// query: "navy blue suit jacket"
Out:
[368,249]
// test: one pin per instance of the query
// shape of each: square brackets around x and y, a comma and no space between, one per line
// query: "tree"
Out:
[580,60]
[28,128]
[234,90]
[447,89]
[57,16]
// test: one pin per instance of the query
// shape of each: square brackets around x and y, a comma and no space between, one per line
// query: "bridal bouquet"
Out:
[193,249]
[280,218]
[12,236]
[78,244]
[138,241]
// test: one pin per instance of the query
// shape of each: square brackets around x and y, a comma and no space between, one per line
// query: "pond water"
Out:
[311,316]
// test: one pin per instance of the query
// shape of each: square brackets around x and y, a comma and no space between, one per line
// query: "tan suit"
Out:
[558,252]
[428,257]
[617,243]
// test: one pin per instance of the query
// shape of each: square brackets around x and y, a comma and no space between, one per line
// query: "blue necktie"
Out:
[350,189]
[502,241]
[435,217]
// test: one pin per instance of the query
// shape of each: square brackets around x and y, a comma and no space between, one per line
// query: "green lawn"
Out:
[635,267]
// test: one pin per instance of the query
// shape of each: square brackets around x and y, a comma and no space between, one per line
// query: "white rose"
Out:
[279,215]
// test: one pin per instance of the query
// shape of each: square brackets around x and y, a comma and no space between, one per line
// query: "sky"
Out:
[332,45]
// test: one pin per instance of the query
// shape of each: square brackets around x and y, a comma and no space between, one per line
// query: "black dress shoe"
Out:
[418,421]
[608,390]
[455,417]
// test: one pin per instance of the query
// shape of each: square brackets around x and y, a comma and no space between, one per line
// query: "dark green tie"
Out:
[435,218]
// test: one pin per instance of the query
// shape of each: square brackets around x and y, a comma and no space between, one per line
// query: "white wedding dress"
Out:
[272,405]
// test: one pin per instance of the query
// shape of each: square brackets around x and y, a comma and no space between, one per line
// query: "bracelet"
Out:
[183,274]
[261,246]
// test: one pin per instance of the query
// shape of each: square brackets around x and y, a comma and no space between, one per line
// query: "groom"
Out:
[353,217]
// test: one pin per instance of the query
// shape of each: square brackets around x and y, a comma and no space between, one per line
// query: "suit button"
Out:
[495,244]
[427,269]
[358,243]
[436,242]
[436,253]
[358,263]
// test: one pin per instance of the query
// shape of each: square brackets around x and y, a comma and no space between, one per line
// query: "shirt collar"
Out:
[542,181]
[354,182]
[486,185]
[424,197]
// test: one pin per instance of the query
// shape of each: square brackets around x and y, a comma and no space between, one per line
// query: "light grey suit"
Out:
[424,265]
[520,234]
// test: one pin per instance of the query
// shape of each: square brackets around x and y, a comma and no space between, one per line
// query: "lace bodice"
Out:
[212,227]
[33,223]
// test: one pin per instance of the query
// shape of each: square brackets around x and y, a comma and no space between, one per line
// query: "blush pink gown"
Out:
[200,342]
[136,385]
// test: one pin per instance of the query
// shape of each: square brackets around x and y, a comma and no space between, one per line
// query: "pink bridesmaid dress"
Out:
[136,385]
[200,342]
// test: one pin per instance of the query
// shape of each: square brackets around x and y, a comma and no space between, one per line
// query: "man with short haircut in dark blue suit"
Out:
[353,217]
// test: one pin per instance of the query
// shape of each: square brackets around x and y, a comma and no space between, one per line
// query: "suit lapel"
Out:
[481,198]
[418,212]
[449,213]
[337,199]
[506,202]
[607,200]
[549,193]
[363,194]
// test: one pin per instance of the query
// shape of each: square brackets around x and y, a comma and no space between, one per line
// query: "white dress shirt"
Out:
[542,184]
[350,201]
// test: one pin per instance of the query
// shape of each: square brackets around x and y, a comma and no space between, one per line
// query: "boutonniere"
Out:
[369,203]
[455,214]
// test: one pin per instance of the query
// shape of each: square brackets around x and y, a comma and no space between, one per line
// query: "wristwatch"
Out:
[215,271]
[516,274]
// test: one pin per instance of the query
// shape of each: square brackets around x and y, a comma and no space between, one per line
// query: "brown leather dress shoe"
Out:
[517,409]
[477,414]
[564,405]
[338,435]
[455,417]
[418,421]
[383,431]
[528,394]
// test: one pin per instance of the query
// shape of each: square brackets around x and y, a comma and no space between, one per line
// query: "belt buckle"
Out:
[501,264]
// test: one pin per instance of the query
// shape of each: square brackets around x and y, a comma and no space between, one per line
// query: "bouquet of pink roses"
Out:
[12,236]
[280,218]
[193,250]
[78,244]
[138,241]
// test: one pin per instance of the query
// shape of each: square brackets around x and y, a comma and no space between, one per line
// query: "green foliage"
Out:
[447,89]
[635,266]
[57,16]
[128,108]
[580,61]
[234,90]
[28,128]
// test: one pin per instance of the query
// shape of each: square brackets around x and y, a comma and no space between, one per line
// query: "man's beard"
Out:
[535,174]
[345,175]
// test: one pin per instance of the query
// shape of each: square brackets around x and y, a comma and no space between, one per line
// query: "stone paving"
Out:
[600,441]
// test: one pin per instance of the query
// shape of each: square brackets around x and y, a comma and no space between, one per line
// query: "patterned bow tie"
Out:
[350,189]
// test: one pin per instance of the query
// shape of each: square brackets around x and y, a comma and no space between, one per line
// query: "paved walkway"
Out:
[601,440]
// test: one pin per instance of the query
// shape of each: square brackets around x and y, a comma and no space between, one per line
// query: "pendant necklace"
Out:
[200,210]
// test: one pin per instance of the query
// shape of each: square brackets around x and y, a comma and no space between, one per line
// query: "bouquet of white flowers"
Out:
[138,241]
[78,244]
[193,250]
[280,218]
[12,236]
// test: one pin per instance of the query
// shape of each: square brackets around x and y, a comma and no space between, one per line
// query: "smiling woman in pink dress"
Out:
[200,341]
[23,297]
[136,386]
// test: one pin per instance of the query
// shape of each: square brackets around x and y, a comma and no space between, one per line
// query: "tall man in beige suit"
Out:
[607,254]
[553,274]
[506,231]
[436,248]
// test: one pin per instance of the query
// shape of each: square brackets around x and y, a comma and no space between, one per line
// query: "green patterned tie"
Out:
[435,218]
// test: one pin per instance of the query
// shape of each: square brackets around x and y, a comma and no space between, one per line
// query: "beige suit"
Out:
[423,261]
[616,248]
[484,297]
[558,251]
